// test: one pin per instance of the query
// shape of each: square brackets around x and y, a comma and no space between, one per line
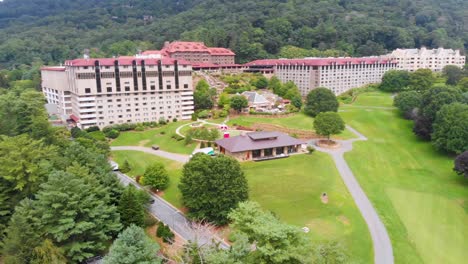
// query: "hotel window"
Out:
[87,90]
[109,89]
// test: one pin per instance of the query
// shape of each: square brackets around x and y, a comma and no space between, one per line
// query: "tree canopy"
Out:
[320,100]
[461,164]
[211,187]
[239,102]
[394,81]
[133,246]
[328,123]
[156,176]
[50,31]
[407,102]
[451,128]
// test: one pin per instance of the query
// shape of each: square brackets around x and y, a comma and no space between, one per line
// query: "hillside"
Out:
[50,31]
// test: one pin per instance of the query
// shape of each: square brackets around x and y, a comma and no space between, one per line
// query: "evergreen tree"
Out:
[23,234]
[125,167]
[48,253]
[76,215]
[131,208]
[133,246]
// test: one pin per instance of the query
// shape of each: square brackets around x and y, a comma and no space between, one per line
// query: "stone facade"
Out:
[434,59]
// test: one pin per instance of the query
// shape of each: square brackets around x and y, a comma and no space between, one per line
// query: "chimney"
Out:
[166,44]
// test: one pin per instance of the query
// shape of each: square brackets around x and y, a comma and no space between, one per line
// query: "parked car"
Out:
[114,165]
[155,147]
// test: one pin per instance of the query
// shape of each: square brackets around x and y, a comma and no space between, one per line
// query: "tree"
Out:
[24,166]
[452,73]
[202,96]
[394,81]
[461,164]
[239,102]
[133,246]
[261,82]
[328,123]
[451,128]
[156,176]
[276,86]
[211,187]
[320,100]
[431,102]
[223,100]
[463,84]
[165,233]
[125,167]
[47,252]
[75,213]
[330,252]
[130,207]
[274,242]
[23,234]
[297,102]
[407,102]
[421,80]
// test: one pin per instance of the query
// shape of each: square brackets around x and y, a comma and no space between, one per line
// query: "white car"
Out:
[114,165]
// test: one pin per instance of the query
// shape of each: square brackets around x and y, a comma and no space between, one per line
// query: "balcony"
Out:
[81,99]
[89,110]
[87,104]
[93,115]
[187,107]
[90,121]
[186,93]
[187,103]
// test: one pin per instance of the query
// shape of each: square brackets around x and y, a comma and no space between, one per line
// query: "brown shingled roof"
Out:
[258,140]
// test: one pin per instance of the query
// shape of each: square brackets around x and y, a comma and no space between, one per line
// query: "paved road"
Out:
[172,217]
[168,155]
[383,252]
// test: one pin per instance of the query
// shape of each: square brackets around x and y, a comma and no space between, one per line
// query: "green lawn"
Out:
[291,188]
[374,99]
[422,202]
[297,121]
[140,160]
[159,136]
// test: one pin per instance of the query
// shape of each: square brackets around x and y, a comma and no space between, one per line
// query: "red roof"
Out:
[53,68]
[212,65]
[154,52]
[221,51]
[187,46]
[319,61]
[74,118]
[123,61]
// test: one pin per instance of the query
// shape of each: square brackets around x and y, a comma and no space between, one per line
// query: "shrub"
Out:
[162,121]
[162,132]
[188,140]
[202,144]
[113,133]
[165,233]
[204,114]
[98,135]
[150,220]
[177,137]
[310,149]
[174,120]
[138,178]
[208,144]
[125,167]
[194,117]
[139,128]
[92,129]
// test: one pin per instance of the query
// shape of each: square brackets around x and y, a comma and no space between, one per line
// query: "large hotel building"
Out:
[102,92]
[434,59]
[194,52]
[337,74]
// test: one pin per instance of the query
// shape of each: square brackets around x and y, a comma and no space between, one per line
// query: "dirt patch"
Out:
[343,219]
[325,143]
[142,143]
[171,251]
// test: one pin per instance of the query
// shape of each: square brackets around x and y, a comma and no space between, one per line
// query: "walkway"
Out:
[172,217]
[383,252]
[161,153]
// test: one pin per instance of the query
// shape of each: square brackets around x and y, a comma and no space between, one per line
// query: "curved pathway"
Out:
[383,252]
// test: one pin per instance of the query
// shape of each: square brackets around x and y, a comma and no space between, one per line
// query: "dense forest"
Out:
[50,31]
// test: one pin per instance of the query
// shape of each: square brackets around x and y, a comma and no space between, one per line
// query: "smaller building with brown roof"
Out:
[259,145]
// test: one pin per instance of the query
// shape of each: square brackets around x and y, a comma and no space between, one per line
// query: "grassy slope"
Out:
[411,185]
[154,136]
[297,121]
[291,188]
[140,160]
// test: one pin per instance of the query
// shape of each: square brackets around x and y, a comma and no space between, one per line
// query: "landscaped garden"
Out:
[421,201]
[298,121]
[164,137]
